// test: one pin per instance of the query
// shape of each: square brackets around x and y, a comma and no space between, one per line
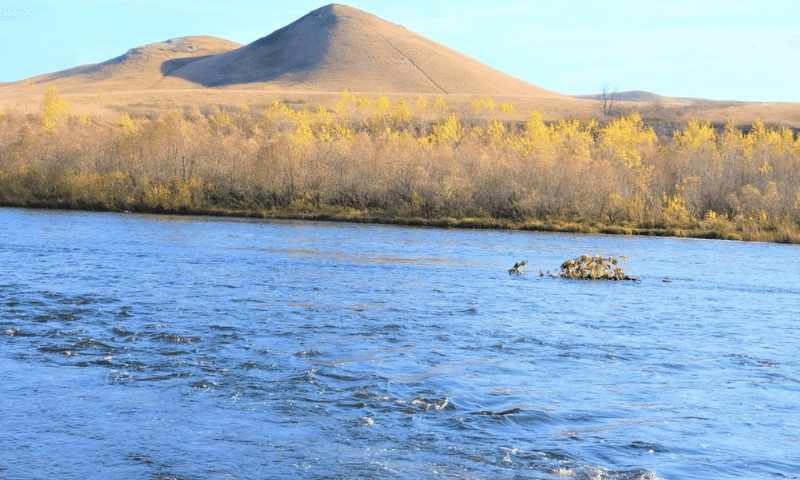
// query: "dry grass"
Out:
[139,68]
[327,50]
[110,104]
[783,114]
[107,105]
[309,62]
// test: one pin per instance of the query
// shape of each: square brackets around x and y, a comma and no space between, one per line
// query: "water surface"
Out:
[136,346]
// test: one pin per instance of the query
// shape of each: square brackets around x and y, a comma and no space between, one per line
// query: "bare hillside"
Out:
[330,49]
[642,96]
[139,68]
[638,96]
[337,47]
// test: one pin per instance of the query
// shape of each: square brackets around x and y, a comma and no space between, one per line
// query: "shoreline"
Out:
[374,162]
[718,230]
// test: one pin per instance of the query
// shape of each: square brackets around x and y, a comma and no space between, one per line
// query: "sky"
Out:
[723,50]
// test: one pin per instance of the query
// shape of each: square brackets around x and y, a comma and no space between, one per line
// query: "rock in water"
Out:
[517,268]
[593,268]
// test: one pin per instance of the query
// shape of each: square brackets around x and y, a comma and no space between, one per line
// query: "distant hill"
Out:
[650,97]
[138,69]
[636,96]
[330,49]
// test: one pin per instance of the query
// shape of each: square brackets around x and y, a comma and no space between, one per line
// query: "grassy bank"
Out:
[718,229]
[413,163]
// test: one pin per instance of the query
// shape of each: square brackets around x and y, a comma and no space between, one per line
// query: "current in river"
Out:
[168,347]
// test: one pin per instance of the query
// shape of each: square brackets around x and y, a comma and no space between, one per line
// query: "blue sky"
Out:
[725,50]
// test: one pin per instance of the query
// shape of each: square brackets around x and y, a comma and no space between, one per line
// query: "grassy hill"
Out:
[310,61]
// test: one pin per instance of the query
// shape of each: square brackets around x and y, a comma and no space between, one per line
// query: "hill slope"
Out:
[649,97]
[140,68]
[337,47]
[330,49]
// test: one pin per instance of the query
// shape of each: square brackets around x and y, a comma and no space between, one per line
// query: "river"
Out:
[169,347]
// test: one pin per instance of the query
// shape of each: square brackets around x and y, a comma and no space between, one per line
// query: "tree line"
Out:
[406,160]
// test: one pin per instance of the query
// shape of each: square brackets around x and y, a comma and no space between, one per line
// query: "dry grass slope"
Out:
[310,61]
[639,96]
[139,68]
[330,49]
[337,47]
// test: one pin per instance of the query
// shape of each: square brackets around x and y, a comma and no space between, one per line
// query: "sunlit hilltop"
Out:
[329,49]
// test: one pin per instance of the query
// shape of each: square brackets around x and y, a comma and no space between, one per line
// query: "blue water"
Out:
[137,346]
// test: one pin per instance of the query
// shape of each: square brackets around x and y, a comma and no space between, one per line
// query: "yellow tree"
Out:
[509,110]
[421,105]
[696,164]
[440,106]
[624,143]
[383,105]
[449,132]
[401,115]
[55,110]
[538,138]
[626,139]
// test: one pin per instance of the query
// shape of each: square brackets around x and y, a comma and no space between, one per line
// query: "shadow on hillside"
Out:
[293,53]
[250,70]
[170,66]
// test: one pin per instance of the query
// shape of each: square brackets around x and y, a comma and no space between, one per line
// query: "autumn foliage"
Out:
[408,160]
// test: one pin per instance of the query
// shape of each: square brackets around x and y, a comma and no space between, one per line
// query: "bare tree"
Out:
[608,95]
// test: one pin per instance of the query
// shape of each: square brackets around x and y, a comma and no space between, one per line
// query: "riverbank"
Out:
[373,161]
[719,229]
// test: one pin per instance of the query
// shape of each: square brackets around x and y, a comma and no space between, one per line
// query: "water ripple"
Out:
[196,348]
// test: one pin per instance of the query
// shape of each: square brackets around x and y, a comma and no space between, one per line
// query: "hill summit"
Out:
[337,47]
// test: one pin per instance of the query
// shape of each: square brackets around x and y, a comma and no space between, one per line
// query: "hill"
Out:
[139,68]
[650,97]
[638,96]
[310,61]
[337,47]
[330,49]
